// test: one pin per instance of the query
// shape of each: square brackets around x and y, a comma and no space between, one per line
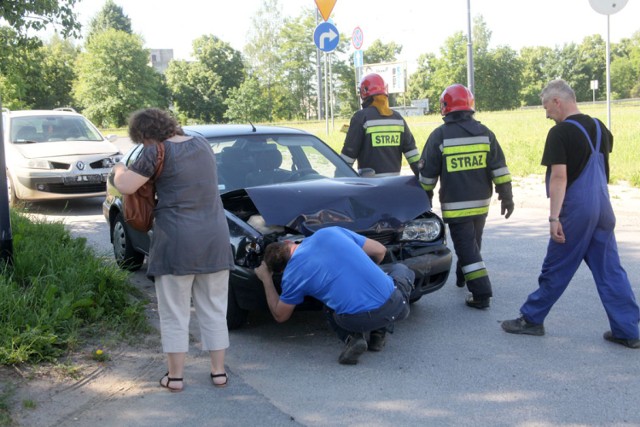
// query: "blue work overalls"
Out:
[588,223]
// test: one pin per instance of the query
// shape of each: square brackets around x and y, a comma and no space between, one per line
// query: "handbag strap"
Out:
[160,162]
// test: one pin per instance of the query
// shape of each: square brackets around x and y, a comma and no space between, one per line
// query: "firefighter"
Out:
[377,135]
[466,157]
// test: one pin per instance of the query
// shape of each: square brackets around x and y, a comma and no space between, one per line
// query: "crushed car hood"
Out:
[354,203]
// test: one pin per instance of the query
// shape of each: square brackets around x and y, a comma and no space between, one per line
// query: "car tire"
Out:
[127,258]
[13,197]
[236,316]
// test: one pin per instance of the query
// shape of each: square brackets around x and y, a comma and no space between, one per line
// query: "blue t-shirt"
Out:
[331,266]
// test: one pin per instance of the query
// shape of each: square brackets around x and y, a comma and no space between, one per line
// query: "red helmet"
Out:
[372,84]
[456,98]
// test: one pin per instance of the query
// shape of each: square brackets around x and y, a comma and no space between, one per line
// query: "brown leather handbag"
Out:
[138,207]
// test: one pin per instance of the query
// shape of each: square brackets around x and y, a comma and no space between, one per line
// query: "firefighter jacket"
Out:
[378,142]
[467,158]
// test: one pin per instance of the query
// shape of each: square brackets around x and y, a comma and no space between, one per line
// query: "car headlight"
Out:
[423,229]
[109,162]
[34,164]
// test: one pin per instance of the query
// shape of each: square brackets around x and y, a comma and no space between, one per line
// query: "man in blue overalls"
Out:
[581,221]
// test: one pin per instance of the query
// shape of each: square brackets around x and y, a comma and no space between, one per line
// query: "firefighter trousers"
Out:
[467,241]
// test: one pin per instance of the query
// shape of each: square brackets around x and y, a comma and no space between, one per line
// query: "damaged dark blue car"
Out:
[281,183]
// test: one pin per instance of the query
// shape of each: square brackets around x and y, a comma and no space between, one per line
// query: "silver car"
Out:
[55,154]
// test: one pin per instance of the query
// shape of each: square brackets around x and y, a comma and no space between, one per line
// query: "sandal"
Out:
[226,379]
[169,380]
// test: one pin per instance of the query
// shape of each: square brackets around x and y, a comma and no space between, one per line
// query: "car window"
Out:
[256,160]
[52,128]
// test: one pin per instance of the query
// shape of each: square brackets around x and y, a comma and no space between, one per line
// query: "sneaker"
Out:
[627,342]
[356,345]
[522,326]
[377,341]
[480,303]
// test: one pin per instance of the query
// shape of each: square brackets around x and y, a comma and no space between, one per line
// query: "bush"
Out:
[57,292]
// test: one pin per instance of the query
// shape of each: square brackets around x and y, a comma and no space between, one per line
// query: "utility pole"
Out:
[319,75]
[470,79]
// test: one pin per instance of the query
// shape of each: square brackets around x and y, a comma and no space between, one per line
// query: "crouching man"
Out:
[339,268]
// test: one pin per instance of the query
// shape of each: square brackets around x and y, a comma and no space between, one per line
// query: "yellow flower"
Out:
[98,352]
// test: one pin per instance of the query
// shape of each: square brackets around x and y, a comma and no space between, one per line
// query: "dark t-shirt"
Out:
[567,145]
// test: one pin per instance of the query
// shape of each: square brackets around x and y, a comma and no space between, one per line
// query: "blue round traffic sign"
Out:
[326,37]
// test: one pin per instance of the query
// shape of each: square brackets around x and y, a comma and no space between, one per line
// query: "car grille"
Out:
[385,237]
[75,189]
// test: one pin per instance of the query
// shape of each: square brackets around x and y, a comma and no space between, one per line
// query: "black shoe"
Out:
[356,345]
[377,341]
[522,326]
[480,303]
[627,342]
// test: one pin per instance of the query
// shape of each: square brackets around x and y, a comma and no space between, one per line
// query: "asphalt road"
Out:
[446,365]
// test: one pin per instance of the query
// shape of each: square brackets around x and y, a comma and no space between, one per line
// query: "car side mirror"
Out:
[367,172]
[112,138]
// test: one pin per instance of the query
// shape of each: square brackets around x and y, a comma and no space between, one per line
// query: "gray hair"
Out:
[558,88]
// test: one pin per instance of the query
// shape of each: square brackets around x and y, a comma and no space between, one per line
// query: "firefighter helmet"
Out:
[372,84]
[456,98]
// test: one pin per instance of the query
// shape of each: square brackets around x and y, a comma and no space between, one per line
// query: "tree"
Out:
[262,49]
[199,88]
[247,103]
[111,16]
[380,52]
[498,77]
[535,72]
[36,15]
[114,79]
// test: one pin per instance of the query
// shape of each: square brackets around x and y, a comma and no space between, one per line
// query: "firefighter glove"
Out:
[507,206]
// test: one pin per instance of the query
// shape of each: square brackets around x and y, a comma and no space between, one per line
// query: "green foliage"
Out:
[247,103]
[200,88]
[57,291]
[36,15]
[379,52]
[114,79]
[111,16]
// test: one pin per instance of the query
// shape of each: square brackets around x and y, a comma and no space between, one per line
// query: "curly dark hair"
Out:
[276,256]
[152,123]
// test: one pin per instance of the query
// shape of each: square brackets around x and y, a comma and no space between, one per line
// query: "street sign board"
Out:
[393,74]
[357,38]
[326,36]
[325,7]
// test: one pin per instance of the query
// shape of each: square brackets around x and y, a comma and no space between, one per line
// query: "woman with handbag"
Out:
[190,256]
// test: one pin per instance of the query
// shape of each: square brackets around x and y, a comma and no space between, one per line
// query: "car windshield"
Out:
[30,129]
[256,160]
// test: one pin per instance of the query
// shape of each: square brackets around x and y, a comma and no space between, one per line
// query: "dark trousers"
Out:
[382,318]
[467,241]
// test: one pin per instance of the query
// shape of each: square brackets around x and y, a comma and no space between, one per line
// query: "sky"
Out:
[420,26]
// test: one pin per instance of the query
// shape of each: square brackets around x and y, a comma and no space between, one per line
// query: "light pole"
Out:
[470,80]
[608,7]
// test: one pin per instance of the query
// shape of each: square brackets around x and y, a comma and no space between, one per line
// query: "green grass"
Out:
[59,293]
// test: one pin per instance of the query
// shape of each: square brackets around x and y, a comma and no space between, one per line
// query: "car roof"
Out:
[222,130]
[28,113]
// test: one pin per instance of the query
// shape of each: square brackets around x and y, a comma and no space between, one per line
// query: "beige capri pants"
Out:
[209,295]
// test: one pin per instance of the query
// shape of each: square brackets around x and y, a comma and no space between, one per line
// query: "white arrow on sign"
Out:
[327,35]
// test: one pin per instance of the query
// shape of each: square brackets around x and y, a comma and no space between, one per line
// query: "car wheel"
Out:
[13,198]
[236,316]
[127,258]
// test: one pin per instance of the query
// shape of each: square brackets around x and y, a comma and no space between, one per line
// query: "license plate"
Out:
[82,179]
